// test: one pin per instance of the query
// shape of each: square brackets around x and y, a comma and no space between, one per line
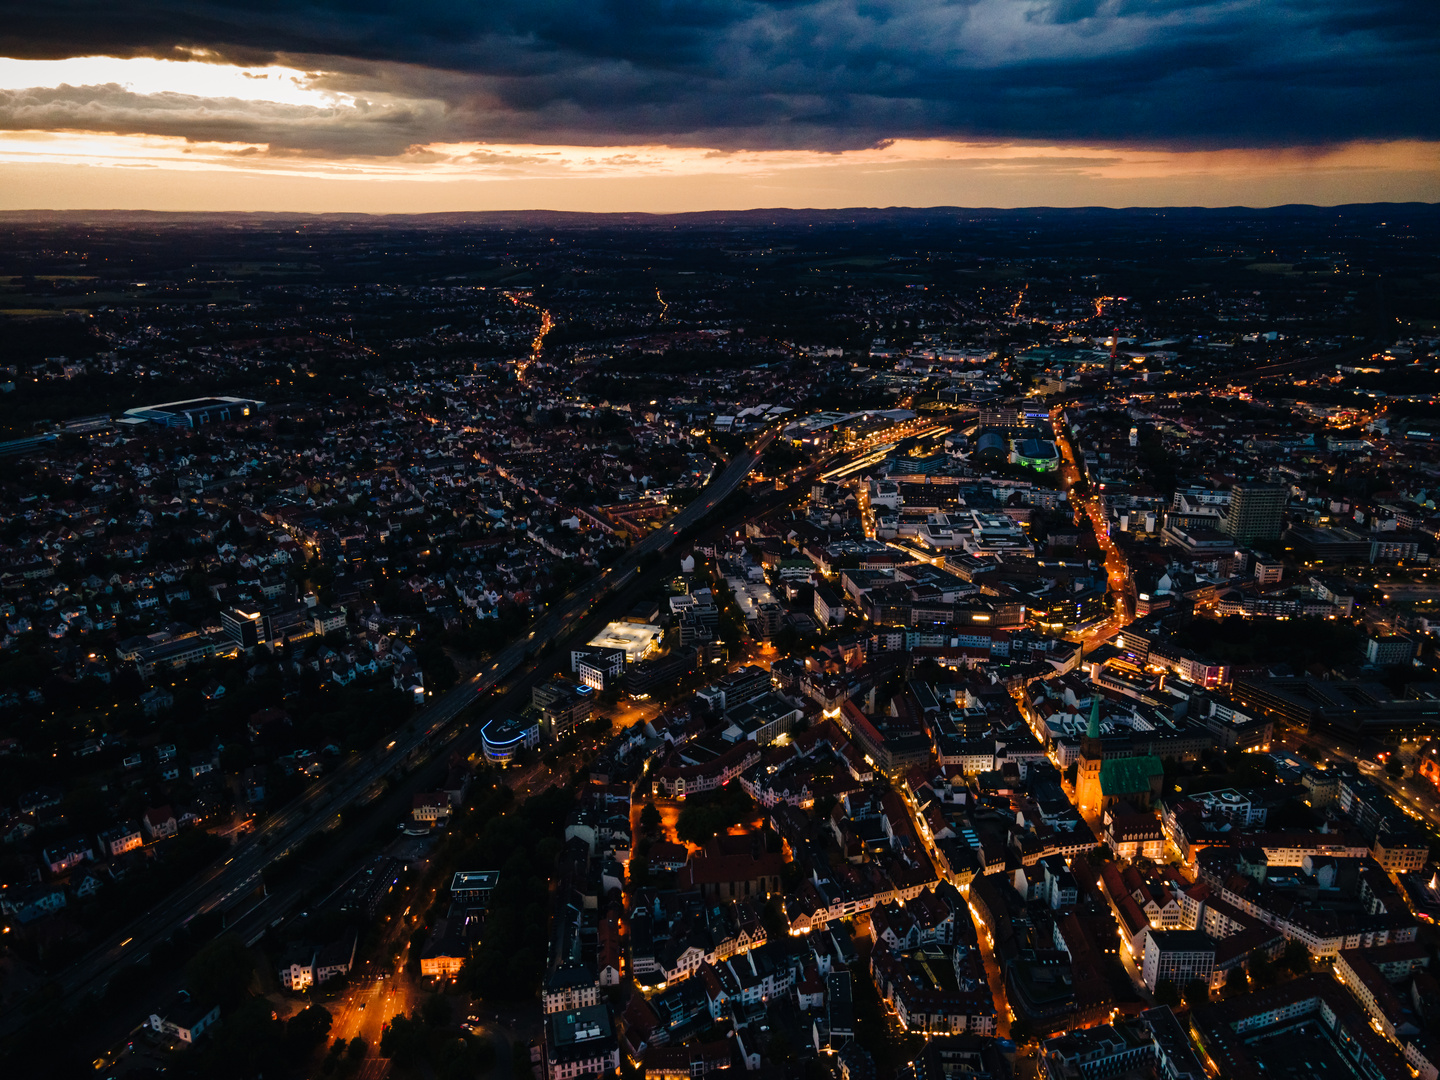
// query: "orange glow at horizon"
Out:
[289,137]
[91,170]
[478,161]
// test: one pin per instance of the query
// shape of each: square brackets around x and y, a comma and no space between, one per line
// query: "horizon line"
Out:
[36,212]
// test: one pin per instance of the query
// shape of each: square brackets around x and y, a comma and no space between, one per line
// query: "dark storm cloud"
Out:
[822,74]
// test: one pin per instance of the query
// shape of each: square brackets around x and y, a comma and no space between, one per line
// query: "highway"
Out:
[319,806]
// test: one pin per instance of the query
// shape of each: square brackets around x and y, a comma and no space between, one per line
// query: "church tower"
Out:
[1087,771]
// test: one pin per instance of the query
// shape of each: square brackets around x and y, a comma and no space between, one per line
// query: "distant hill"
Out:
[780,216]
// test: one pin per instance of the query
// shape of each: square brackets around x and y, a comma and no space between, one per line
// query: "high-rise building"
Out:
[1257,512]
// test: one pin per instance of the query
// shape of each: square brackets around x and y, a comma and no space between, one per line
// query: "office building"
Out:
[1178,957]
[1257,512]
[242,627]
[505,736]
[473,887]
[1384,650]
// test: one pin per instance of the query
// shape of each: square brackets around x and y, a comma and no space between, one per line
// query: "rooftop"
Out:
[636,640]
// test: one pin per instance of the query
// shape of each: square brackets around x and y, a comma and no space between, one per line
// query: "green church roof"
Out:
[1129,776]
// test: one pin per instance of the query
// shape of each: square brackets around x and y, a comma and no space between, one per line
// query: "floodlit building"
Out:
[635,640]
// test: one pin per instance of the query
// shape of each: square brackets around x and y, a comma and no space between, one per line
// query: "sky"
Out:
[656,105]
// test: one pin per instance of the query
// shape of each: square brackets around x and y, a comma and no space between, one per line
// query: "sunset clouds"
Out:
[1098,96]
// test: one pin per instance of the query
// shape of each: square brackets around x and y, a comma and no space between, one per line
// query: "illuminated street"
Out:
[1116,569]
[367,1005]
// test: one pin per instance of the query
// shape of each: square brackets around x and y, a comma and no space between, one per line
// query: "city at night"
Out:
[811,540]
